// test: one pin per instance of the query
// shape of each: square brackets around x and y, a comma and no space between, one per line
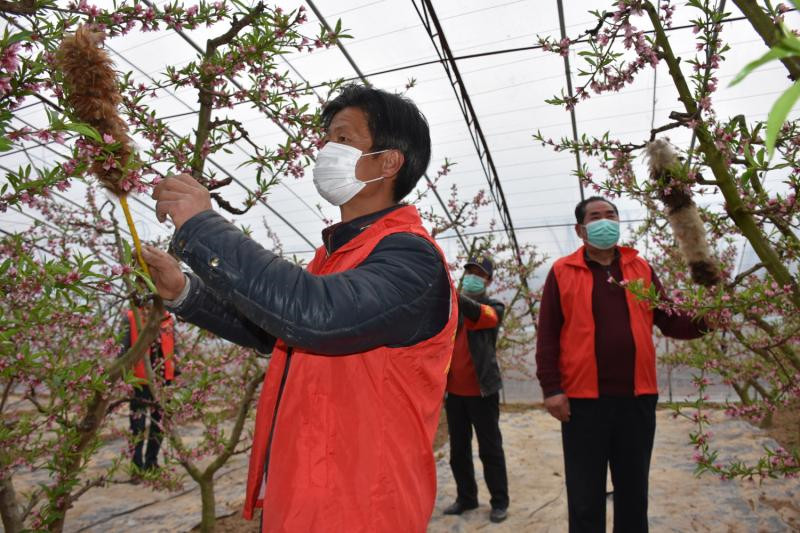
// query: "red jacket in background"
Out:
[167,347]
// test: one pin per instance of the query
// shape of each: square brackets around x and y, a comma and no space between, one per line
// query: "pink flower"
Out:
[10,59]
[564,46]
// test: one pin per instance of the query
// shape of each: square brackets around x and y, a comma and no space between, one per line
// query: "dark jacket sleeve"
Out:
[676,324]
[548,338]
[472,309]
[399,294]
[482,341]
[468,307]
[204,309]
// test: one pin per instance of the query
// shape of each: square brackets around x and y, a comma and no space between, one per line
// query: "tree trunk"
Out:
[9,510]
[209,515]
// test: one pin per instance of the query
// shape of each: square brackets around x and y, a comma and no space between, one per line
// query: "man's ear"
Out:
[578,228]
[392,162]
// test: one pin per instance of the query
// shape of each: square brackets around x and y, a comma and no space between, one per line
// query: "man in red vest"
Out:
[360,340]
[161,354]
[596,363]
[473,397]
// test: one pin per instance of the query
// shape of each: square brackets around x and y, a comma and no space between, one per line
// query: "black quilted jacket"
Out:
[250,296]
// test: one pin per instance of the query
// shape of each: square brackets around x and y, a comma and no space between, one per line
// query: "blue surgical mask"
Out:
[473,284]
[602,234]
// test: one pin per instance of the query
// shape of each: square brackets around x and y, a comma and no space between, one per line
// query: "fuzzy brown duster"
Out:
[687,226]
[92,92]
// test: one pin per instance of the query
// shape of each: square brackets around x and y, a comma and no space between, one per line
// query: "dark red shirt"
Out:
[614,346]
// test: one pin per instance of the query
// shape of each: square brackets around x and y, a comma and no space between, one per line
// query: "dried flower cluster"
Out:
[665,169]
[91,90]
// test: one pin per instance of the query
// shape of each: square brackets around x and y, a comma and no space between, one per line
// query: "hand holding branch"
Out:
[180,197]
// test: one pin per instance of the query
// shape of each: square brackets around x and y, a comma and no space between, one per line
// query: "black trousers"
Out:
[141,406]
[483,414]
[602,434]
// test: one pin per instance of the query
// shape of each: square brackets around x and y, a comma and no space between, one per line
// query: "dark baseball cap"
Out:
[484,263]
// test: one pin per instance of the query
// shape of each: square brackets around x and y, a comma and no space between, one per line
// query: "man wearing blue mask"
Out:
[473,398]
[596,363]
[360,340]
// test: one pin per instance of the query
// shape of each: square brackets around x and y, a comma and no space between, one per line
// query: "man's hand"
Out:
[181,197]
[558,406]
[166,272]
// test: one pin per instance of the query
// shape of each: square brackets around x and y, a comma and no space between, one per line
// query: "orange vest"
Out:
[352,446]
[577,360]
[167,347]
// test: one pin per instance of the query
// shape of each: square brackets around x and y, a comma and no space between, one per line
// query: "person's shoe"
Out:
[458,508]
[498,515]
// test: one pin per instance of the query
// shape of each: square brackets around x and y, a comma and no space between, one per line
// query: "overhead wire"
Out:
[476,55]
[533,227]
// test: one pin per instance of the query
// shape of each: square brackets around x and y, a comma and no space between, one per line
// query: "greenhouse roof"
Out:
[506,77]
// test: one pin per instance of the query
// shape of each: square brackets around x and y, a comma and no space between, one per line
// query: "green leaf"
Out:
[147,281]
[776,52]
[790,42]
[5,144]
[127,254]
[85,130]
[18,37]
[747,176]
[5,266]
[778,113]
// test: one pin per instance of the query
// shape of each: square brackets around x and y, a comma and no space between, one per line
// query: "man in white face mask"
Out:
[360,341]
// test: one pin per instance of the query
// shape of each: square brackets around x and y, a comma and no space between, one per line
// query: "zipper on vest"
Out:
[275,414]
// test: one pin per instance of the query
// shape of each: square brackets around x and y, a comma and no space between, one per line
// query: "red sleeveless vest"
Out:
[577,360]
[352,444]
[167,347]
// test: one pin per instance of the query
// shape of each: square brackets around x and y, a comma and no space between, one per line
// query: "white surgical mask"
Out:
[335,172]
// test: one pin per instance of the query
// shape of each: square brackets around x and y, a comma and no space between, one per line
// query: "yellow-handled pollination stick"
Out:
[91,89]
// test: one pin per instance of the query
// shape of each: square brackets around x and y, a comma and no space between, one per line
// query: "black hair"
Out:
[394,122]
[580,209]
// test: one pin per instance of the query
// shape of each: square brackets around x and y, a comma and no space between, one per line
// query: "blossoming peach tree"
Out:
[68,279]
[754,310]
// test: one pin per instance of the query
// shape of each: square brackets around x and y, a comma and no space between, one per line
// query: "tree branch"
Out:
[236,433]
[23,7]
[769,32]
[738,279]
[9,509]
[720,167]
[6,392]
[206,89]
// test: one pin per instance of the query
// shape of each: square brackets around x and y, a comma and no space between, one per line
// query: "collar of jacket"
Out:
[578,257]
[336,236]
